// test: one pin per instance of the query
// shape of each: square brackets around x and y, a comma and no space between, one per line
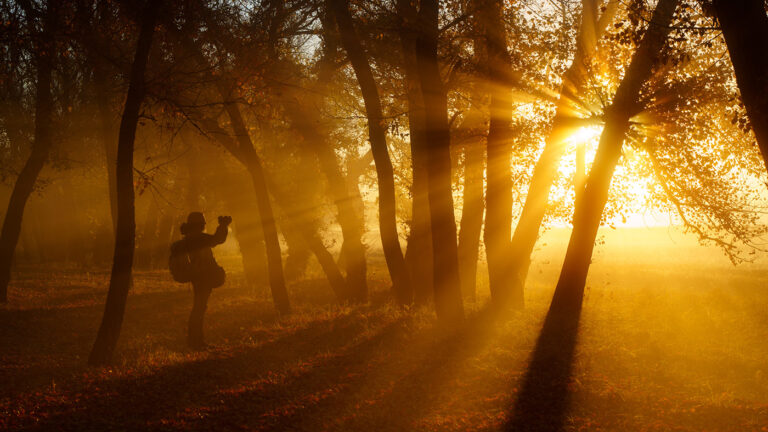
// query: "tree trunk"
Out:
[498,216]
[246,228]
[473,205]
[349,217]
[351,226]
[745,28]
[566,117]
[271,241]
[310,237]
[401,284]
[588,212]
[25,183]
[448,301]
[120,280]
[418,254]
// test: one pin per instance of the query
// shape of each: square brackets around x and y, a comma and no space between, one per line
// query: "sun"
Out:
[585,134]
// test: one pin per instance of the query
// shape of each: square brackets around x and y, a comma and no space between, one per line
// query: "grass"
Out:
[671,338]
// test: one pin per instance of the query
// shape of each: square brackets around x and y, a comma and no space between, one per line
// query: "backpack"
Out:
[180,264]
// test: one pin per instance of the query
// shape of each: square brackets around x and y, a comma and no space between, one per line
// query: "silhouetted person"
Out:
[202,270]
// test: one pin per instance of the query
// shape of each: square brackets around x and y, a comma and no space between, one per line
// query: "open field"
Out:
[672,337]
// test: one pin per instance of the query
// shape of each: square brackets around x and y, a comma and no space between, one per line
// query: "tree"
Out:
[448,301]
[310,125]
[44,55]
[566,117]
[473,204]
[125,236]
[498,216]
[745,28]
[418,253]
[588,212]
[401,284]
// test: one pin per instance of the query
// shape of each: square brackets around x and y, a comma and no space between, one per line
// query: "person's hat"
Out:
[196,218]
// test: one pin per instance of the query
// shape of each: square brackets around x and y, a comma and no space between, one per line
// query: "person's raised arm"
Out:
[220,236]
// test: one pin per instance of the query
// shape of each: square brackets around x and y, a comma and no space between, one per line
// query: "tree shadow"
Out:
[314,390]
[544,398]
[145,402]
[425,368]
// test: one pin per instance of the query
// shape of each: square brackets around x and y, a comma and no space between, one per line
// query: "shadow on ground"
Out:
[543,401]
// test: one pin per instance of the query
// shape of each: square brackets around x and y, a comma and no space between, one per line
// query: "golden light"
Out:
[585,134]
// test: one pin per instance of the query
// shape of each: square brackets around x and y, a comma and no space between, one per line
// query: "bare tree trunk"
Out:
[588,212]
[544,173]
[401,284]
[473,205]
[246,225]
[255,168]
[125,238]
[498,216]
[350,219]
[745,28]
[351,226]
[25,183]
[448,301]
[418,254]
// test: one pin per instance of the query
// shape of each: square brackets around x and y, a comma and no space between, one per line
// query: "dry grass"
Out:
[664,344]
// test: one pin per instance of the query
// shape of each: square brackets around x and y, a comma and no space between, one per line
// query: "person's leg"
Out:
[195,338]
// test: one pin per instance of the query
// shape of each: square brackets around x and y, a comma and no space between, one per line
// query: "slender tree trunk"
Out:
[566,118]
[498,217]
[351,227]
[325,259]
[745,28]
[588,212]
[448,301]
[310,237]
[125,238]
[350,219]
[473,205]
[247,230]
[25,183]
[271,240]
[418,254]
[401,284]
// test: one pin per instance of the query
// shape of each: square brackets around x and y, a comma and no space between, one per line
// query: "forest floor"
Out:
[668,340]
